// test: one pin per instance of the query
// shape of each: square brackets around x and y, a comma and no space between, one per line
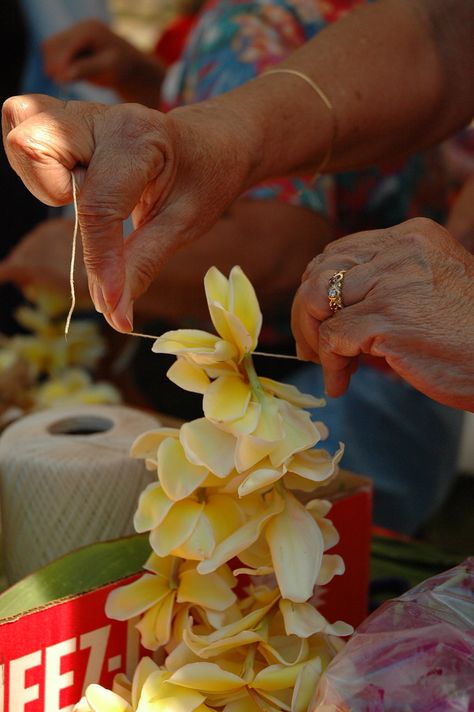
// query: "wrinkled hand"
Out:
[408,297]
[127,159]
[42,259]
[90,51]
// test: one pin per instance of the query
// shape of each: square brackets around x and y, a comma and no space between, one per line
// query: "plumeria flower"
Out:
[311,468]
[150,691]
[170,581]
[245,631]
[201,444]
[267,507]
[269,687]
[303,620]
[197,346]
[235,313]
[234,308]
[73,386]
[296,545]
[195,529]
[48,350]
[51,304]
[236,316]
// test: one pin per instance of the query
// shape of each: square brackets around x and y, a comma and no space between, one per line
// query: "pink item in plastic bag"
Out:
[413,654]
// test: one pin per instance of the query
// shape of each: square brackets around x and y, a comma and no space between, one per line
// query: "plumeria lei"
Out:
[236,554]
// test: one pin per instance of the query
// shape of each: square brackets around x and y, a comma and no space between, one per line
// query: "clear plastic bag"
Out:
[413,654]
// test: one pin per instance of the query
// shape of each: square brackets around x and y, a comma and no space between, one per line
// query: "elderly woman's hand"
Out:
[89,50]
[408,297]
[127,159]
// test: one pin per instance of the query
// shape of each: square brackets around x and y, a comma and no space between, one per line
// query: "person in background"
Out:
[46,18]
[242,165]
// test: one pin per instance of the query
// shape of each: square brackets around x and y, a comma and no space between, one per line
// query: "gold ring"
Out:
[335,291]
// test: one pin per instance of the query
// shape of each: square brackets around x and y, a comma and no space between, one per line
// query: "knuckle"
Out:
[424,230]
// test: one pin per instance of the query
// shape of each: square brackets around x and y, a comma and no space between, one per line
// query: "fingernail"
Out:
[120,320]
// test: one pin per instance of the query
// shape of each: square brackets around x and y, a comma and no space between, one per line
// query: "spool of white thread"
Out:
[66,480]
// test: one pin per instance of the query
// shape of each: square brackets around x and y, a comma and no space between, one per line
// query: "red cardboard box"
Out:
[346,597]
[50,654]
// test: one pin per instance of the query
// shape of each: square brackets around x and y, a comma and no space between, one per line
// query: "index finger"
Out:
[44,140]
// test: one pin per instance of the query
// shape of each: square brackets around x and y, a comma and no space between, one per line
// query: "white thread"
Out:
[73,293]
[254,353]
[73,256]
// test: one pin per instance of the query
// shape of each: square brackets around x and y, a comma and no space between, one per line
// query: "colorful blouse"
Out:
[234,41]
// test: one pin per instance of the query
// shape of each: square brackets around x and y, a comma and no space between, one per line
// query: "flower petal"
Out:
[176,527]
[146,445]
[222,646]
[163,566]
[178,477]
[198,345]
[207,445]
[244,304]
[305,685]
[153,506]
[164,619]
[303,620]
[134,598]
[276,677]
[247,423]
[315,465]
[244,704]
[259,478]
[224,514]
[290,393]
[332,565]
[102,700]
[242,625]
[261,571]
[188,376]
[144,669]
[216,286]
[209,591]
[244,537]
[226,399]
[206,677]
[199,544]
[296,545]
[300,433]
[249,451]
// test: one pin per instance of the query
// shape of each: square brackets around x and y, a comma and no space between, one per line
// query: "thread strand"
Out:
[73,290]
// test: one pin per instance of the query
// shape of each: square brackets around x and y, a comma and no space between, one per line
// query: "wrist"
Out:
[288,127]
[218,138]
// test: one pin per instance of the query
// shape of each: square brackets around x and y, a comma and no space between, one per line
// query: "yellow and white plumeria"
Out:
[236,552]
[57,367]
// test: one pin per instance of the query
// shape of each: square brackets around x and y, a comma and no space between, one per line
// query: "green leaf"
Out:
[78,572]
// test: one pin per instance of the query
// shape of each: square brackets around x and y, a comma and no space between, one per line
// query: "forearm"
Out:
[397,75]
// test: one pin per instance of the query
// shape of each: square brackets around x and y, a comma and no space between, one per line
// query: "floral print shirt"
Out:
[234,41]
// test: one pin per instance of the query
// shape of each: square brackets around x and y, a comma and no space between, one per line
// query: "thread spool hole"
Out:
[81,425]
